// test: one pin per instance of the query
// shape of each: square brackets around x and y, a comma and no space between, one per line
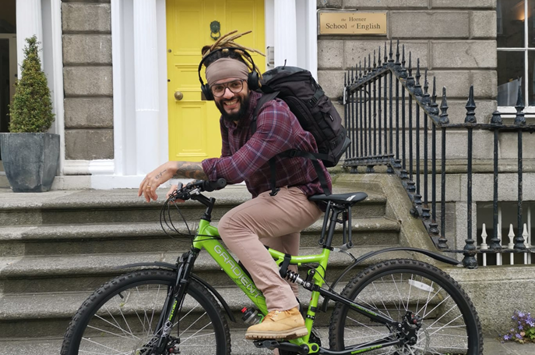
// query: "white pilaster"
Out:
[53,57]
[285,33]
[119,139]
[146,85]
[311,30]
[29,23]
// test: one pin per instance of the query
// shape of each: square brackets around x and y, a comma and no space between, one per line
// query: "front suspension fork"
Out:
[174,300]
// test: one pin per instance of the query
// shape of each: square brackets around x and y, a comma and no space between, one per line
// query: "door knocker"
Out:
[215,28]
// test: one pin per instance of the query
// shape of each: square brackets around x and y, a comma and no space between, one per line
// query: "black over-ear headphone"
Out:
[252,78]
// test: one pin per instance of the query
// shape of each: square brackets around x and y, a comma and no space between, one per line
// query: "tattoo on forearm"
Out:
[186,169]
[160,174]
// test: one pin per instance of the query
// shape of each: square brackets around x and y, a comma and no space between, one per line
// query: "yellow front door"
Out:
[194,122]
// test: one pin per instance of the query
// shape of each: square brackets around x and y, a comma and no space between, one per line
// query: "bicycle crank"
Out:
[274,344]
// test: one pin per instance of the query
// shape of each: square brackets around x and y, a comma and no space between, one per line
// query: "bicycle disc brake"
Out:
[413,332]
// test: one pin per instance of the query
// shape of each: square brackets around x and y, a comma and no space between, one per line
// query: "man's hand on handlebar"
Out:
[179,193]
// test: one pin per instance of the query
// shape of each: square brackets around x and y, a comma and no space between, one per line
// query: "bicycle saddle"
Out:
[349,198]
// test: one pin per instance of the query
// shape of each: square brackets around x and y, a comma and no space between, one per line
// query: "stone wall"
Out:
[87,70]
[454,39]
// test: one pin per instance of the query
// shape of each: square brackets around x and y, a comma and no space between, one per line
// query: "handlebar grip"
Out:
[214,185]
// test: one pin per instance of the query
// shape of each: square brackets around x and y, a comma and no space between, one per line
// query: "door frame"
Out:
[122,171]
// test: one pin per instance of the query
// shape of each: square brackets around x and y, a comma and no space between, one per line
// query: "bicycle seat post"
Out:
[337,204]
[331,218]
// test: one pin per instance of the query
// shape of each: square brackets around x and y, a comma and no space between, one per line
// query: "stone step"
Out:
[48,314]
[116,206]
[149,237]
[34,274]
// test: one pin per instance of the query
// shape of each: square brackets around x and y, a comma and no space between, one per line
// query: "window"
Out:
[516,53]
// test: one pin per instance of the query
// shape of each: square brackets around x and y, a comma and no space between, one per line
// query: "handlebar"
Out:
[196,187]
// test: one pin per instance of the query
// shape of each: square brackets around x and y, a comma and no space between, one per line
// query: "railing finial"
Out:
[470,107]
[385,58]
[397,54]
[520,120]
[426,97]
[484,235]
[410,79]
[496,118]
[374,61]
[391,54]
[403,70]
[417,86]
[434,106]
[434,96]
[426,83]
[444,108]
[511,236]
[379,56]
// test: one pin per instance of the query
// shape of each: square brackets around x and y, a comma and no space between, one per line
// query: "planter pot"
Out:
[30,160]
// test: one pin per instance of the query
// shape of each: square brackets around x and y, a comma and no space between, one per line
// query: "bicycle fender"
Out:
[159,264]
[203,283]
[431,254]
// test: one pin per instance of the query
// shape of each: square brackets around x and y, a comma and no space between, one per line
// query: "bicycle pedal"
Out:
[266,344]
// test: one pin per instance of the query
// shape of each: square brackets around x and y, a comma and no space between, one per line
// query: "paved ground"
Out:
[495,347]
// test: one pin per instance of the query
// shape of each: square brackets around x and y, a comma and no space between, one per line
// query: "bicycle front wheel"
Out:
[408,291]
[121,317]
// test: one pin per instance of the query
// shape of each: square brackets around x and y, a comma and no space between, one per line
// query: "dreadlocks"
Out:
[227,41]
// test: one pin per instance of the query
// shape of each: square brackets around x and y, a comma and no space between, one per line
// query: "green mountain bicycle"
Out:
[398,306]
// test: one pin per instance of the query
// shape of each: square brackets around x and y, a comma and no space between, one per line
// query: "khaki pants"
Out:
[275,221]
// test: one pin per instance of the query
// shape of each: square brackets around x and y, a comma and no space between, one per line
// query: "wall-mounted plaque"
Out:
[352,23]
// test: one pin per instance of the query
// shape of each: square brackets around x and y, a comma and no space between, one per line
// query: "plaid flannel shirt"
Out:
[245,157]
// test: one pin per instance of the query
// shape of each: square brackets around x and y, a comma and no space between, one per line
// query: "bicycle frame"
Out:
[206,239]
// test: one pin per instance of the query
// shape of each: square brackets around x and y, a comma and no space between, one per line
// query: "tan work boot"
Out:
[279,325]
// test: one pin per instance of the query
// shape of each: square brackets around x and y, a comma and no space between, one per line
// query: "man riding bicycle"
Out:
[275,220]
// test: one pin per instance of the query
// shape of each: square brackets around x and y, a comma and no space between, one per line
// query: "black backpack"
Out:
[315,112]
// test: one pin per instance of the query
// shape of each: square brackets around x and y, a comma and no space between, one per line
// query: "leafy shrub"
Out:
[31,110]
[523,330]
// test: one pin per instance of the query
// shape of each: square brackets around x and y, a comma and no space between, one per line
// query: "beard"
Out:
[234,117]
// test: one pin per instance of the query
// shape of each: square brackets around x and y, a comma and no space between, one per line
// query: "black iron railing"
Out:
[388,113]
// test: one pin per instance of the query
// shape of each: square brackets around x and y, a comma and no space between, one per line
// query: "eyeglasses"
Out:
[234,86]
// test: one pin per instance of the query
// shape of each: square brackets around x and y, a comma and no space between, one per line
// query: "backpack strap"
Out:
[265,98]
[292,153]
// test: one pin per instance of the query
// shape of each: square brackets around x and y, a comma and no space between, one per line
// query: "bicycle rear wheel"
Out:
[122,315]
[395,288]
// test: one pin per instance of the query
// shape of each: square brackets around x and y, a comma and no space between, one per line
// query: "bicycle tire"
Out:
[121,316]
[450,324]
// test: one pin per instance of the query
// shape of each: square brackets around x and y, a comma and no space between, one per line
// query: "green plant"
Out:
[31,110]
[523,330]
